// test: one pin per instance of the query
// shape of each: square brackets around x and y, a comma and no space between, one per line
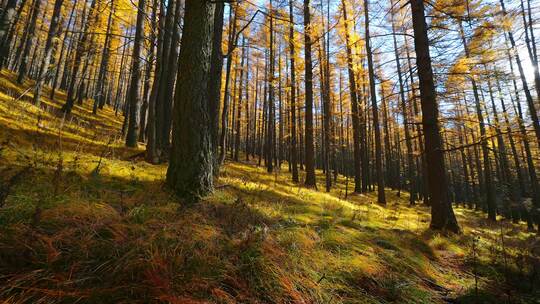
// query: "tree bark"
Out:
[134,99]
[7,19]
[381,197]
[215,80]
[192,139]
[309,147]
[442,214]
[29,41]
[294,146]
[50,45]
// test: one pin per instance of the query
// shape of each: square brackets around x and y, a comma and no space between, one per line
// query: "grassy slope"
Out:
[116,235]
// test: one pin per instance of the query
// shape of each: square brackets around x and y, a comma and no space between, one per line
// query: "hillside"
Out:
[86,220]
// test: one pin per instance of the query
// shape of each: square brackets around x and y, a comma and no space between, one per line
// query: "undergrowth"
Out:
[88,222]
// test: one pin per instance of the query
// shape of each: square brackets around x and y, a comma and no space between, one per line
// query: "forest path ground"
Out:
[86,222]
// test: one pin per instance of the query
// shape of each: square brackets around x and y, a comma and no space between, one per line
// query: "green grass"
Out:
[69,234]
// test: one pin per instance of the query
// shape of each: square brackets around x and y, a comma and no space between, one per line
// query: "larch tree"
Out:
[192,133]
[442,213]
[308,78]
[381,197]
[134,98]
[50,45]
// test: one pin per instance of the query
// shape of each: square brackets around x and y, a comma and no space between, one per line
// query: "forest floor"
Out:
[84,221]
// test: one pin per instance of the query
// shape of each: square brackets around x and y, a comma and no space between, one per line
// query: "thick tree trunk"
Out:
[442,214]
[192,139]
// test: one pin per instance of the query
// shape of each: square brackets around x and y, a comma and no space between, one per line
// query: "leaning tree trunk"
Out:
[410,161]
[442,214]
[490,190]
[526,91]
[77,59]
[192,134]
[49,47]
[30,40]
[6,20]
[62,51]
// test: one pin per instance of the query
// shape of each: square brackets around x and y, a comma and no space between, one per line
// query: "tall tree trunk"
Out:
[490,191]
[147,76]
[354,105]
[77,59]
[410,161]
[523,131]
[216,68]
[192,138]
[226,94]
[62,51]
[327,103]
[152,154]
[247,109]
[134,99]
[270,133]
[381,198]
[526,91]
[50,45]
[99,98]
[29,42]
[166,78]
[294,147]
[239,103]
[172,63]
[7,19]
[12,34]
[309,148]
[442,214]
[517,164]
[531,47]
